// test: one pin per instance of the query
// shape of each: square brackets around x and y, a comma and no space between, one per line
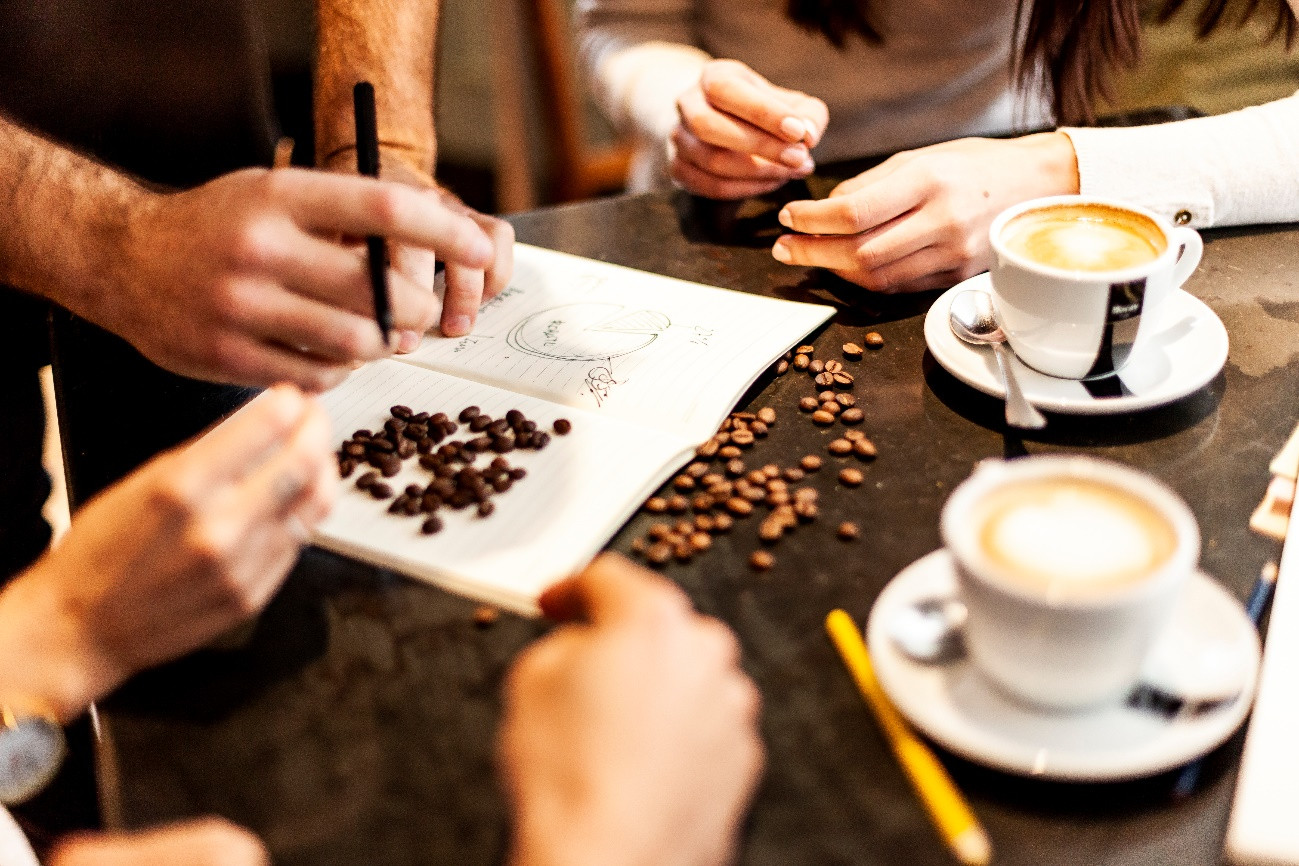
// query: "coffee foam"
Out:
[1070,537]
[1084,237]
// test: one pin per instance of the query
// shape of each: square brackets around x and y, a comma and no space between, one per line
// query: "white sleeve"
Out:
[1232,169]
[14,850]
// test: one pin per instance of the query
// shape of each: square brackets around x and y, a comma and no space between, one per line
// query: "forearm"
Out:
[67,225]
[391,44]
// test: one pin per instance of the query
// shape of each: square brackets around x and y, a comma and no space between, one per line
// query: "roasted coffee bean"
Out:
[683,528]
[563,426]
[702,503]
[845,400]
[514,417]
[461,499]
[425,445]
[755,494]
[398,505]
[853,435]
[705,522]
[767,415]
[759,429]
[406,449]
[793,473]
[518,473]
[415,431]
[807,493]
[697,470]
[701,541]
[757,476]
[770,530]
[468,414]
[449,428]
[683,482]
[825,396]
[485,509]
[502,483]
[678,504]
[430,502]
[723,437]
[825,380]
[739,506]
[735,468]
[723,523]
[414,490]
[864,448]
[431,526]
[639,546]
[709,448]
[822,418]
[850,477]
[660,531]
[500,464]
[808,404]
[834,366]
[852,416]
[394,426]
[444,487]
[502,444]
[831,407]
[776,498]
[658,553]
[401,413]
[486,616]
[367,480]
[712,478]
[438,418]
[531,427]
[389,465]
[743,438]
[852,351]
[380,446]
[353,449]
[771,470]
[874,340]
[479,444]
[479,423]
[817,367]
[806,349]
[419,418]
[743,416]
[802,362]
[848,530]
[540,441]
[412,507]
[683,551]
[843,380]
[840,447]
[721,490]
[806,510]
[810,463]
[499,427]
[362,434]
[729,452]
[761,560]
[782,367]
[346,468]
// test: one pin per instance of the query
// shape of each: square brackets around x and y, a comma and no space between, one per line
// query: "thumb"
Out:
[203,842]
[611,589]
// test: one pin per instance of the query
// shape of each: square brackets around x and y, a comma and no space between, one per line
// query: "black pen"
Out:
[367,163]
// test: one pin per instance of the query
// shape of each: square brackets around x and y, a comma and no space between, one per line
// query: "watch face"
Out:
[30,753]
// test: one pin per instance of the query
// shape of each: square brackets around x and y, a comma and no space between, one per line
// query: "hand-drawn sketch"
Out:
[587,331]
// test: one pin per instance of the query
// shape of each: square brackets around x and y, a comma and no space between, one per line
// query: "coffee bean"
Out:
[808,494]
[425,445]
[852,351]
[701,541]
[723,523]
[782,367]
[802,362]
[502,483]
[346,468]
[437,418]
[843,380]
[531,427]
[770,530]
[406,449]
[485,509]
[810,463]
[697,470]
[793,473]
[414,490]
[479,423]
[656,505]
[514,418]
[864,448]
[735,468]
[705,522]
[678,504]
[499,427]
[767,415]
[658,553]
[486,616]
[389,465]
[850,477]
[825,396]
[380,446]
[362,434]
[822,418]
[831,407]
[412,507]
[743,438]
[852,416]
[639,545]
[712,478]
[805,510]
[540,441]
[776,498]
[845,400]
[431,526]
[394,426]
[367,480]
[761,560]
[709,448]
[562,426]
[757,476]
[723,437]
[684,482]
[808,404]
[834,366]
[840,447]
[430,502]
[380,490]
[816,367]
[848,530]
[758,429]
[353,449]
[518,473]
[683,551]
[806,349]
[739,506]
[702,503]
[874,340]
[660,531]
[401,413]
[415,432]
[825,380]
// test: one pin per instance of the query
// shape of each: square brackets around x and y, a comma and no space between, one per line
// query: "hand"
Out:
[204,842]
[243,279]
[920,219]
[186,547]
[740,135]
[629,738]
[466,287]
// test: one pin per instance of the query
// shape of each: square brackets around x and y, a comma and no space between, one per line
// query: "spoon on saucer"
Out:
[973,320]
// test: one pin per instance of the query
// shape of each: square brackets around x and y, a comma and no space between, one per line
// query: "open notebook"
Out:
[645,367]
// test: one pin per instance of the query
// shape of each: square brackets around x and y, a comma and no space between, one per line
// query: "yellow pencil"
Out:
[948,809]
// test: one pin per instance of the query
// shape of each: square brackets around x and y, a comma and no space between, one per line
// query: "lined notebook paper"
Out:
[645,368]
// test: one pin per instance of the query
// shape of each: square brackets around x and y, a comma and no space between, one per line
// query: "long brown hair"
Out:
[1071,48]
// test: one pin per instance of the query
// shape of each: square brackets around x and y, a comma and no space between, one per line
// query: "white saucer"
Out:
[1183,357]
[954,706]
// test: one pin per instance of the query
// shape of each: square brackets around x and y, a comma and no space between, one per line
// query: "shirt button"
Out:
[1182,218]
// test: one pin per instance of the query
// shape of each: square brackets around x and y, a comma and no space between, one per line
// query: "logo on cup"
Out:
[1121,327]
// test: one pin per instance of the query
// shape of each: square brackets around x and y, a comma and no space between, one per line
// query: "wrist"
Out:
[1055,161]
[416,157]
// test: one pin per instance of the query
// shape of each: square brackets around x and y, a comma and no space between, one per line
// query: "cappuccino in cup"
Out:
[1068,567]
[1077,280]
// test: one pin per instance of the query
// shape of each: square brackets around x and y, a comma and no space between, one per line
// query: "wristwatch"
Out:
[31,749]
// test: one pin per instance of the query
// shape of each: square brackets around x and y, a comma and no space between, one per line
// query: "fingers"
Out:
[612,589]
[702,183]
[502,267]
[729,164]
[291,479]
[726,131]
[338,204]
[868,251]
[464,294]
[870,206]
[205,842]
[739,91]
[253,362]
[233,450]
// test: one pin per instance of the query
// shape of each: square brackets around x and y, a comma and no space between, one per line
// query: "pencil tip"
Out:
[972,847]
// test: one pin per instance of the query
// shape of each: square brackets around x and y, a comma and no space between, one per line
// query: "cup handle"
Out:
[1192,250]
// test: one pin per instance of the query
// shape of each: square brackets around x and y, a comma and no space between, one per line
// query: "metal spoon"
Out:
[972,319]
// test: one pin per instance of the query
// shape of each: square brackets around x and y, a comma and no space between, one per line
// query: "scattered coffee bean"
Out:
[703,503]
[793,474]
[659,553]
[843,380]
[758,429]
[485,509]
[852,416]
[864,448]
[381,490]
[683,482]
[743,438]
[705,522]
[851,477]
[389,465]
[723,523]
[771,531]
[683,551]
[739,506]
[808,404]
[825,396]
[563,426]
[852,351]
[806,349]
[840,447]
[833,366]
[782,367]
[767,416]
[431,526]
[639,546]
[660,531]
[816,367]
[831,407]
[761,560]
[677,504]
[735,468]
[701,541]
[401,413]
[825,379]
[874,340]
[848,530]
[805,510]
[709,448]
[656,505]
[845,400]
[822,418]
[729,452]
[802,362]
[810,463]
[368,480]
[414,490]
[486,616]
[697,470]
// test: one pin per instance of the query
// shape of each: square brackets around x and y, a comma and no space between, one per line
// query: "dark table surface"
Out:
[354,723]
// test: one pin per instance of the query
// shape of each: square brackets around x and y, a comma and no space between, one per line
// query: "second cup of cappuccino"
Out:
[1069,568]
[1075,278]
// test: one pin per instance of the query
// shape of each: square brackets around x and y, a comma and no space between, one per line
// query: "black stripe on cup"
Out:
[1120,332]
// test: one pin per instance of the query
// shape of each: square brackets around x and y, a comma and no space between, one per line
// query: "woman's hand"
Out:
[201,842]
[920,219]
[740,135]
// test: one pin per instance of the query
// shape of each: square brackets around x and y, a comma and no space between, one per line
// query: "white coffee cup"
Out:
[1078,280]
[1069,567]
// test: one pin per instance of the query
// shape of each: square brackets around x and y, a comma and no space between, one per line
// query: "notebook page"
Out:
[623,343]
[1263,829]
[577,492]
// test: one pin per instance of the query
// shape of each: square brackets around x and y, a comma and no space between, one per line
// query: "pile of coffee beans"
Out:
[456,482]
